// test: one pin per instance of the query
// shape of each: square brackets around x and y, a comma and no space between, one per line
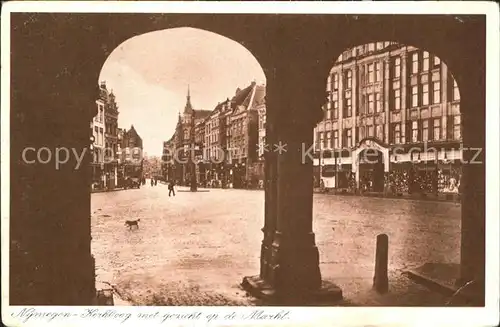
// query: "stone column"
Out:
[291,265]
[472,249]
[270,185]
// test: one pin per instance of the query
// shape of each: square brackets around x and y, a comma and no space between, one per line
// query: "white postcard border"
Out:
[345,316]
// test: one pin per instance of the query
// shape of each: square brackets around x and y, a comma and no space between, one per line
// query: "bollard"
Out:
[380,279]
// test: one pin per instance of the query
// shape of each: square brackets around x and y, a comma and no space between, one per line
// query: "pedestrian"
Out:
[152,182]
[171,188]
[156,181]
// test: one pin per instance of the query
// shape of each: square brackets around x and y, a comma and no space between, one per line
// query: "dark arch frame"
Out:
[53,89]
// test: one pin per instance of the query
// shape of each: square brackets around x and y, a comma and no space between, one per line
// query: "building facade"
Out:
[399,104]
[244,136]
[131,156]
[110,138]
[97,127]
[226,141]
[177,154]
[258,167]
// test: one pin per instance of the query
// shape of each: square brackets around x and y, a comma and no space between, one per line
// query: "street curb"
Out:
[417,198]
[106,191]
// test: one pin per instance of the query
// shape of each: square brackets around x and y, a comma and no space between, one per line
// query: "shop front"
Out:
[371,165]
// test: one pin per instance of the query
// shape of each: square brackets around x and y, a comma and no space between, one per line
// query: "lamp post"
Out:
[194,182]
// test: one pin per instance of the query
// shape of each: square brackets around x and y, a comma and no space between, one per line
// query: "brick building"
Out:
[97,127]
[184,139]
[401,103]
[131,153]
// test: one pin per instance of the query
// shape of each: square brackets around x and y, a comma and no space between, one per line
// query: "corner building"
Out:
[403,105]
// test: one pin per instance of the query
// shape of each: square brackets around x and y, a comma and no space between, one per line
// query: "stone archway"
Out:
[53,92]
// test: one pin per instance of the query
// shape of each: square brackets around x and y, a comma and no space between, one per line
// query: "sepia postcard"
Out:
[250,163]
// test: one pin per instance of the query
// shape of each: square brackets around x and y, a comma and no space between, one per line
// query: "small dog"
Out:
[131,223]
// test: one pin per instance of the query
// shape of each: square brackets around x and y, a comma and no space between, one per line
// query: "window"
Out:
[348,79]
[379,132]
[101,113]
[370,73]
[378,103]
[436,61]
[321,139]
[361,132]
[328,114]
[335,82]
[335,144]
[325,140]
[457,128]
[370,131]
[362,105]
[378,77]
[371,46]
[397,67]
[456,91]
[380,45]
[328,140]
[436,92]
[436,133]
[396,136]
[370,103]
[397,99]
[414,96]
[348,107]
[425,61]
[414,131]
[335,110]
[425,94]
[414,63]
[348,137]
[425,130]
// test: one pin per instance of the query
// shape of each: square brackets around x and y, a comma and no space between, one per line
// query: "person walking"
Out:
[152,182]
[171,188]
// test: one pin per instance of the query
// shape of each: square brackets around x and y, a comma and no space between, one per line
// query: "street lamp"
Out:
[193,184]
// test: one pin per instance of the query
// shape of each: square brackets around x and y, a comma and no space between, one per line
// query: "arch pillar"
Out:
[290,271]
[473,183]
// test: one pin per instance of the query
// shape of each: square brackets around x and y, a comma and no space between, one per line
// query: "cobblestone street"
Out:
[195,248]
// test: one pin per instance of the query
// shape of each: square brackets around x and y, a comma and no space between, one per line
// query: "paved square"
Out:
[195,248]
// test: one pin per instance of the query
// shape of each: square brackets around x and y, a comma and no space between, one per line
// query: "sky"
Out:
[149,75]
